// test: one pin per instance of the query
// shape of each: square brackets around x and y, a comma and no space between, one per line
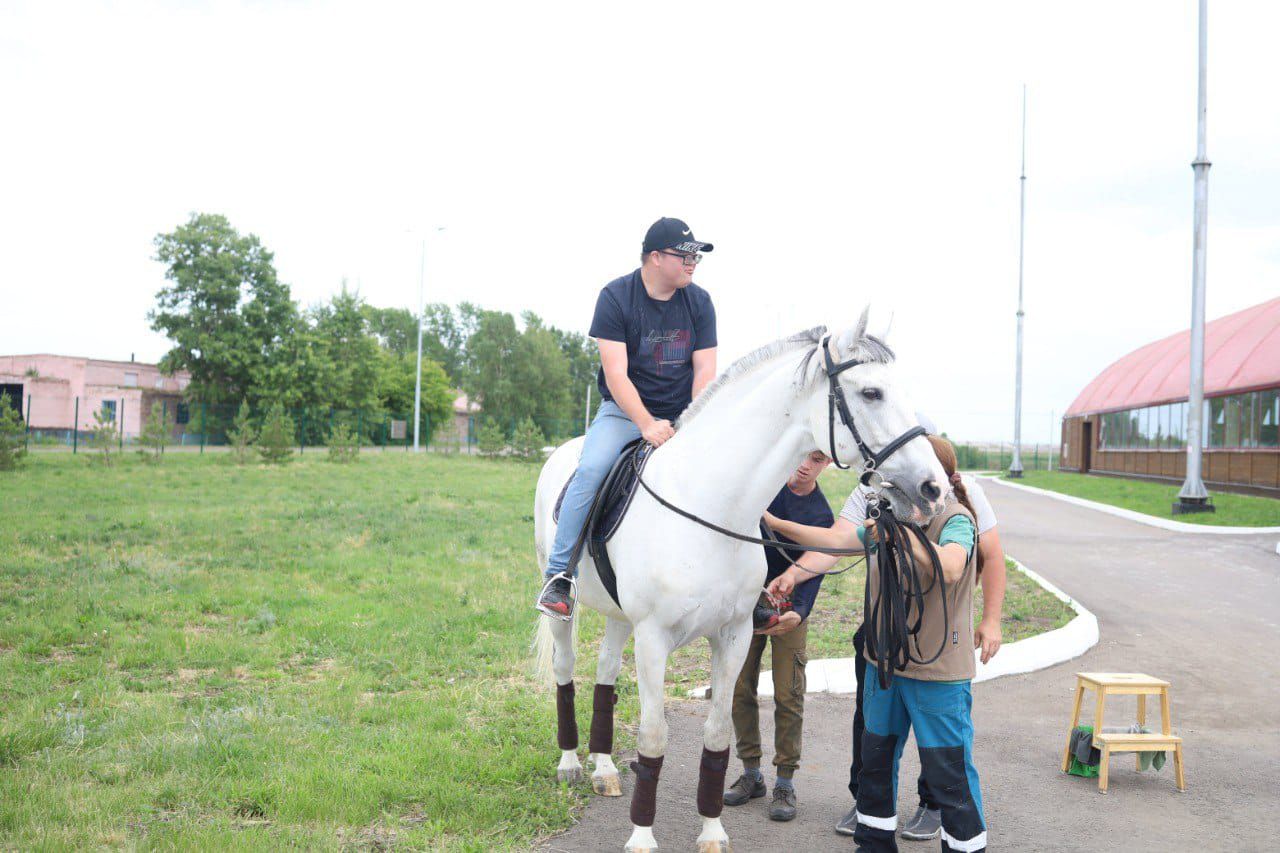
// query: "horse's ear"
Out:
[849,338]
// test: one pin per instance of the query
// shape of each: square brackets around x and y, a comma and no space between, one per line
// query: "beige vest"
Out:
[956,661]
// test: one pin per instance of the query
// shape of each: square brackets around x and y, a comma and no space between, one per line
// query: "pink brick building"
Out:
[49,386]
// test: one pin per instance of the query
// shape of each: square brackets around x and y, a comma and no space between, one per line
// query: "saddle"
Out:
[608,508]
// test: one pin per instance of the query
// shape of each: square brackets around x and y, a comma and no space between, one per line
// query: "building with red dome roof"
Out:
[1131,419]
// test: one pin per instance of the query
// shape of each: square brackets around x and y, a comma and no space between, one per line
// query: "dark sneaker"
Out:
[746,788]
[764,617]
[556,598]
[848,824]
[784,804]
[925,825]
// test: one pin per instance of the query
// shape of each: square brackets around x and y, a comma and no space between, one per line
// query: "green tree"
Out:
[103,437]
[275,439]
[155,434]
[349,353]
[491,440]
[343,445]
[241,436]
[512,374]
[13,447]
[491,355]
[394,328]
[528,441]
[541,373]
[583,360]
[224,309]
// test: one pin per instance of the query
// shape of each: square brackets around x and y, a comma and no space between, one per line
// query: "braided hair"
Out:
[946,454]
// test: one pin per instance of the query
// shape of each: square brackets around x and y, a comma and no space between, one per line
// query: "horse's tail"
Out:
[544,648]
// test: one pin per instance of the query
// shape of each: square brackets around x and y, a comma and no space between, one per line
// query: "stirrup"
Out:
[573,597]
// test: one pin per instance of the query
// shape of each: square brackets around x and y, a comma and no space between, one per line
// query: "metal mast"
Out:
[1194,497]
[1015,466]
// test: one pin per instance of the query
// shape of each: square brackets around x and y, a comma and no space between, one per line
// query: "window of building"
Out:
[159,381]
[1269,418]
[109,409]
[131,379]
[183,414]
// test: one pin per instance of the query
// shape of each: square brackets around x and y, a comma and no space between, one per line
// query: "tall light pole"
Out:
[1015,466]
[1194,497]
[417,382]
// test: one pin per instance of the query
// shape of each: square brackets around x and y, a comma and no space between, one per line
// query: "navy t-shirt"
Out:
[660,336]
[811,509]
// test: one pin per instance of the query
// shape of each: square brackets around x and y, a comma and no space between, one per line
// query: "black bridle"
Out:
[872,460]
[837,403]
[894,619]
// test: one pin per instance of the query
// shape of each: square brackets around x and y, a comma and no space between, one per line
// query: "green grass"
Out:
[1158,498]
[202,655]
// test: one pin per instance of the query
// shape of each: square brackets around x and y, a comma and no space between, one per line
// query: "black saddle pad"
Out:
[608,508]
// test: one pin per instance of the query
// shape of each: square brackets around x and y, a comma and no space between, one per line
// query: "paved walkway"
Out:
[1201,611]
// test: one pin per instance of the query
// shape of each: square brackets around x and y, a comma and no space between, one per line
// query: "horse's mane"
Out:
[866,348]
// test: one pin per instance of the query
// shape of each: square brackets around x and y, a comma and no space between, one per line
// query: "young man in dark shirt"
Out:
[800,500]
[656,331]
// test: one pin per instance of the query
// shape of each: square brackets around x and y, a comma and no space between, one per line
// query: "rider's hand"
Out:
[786,623]
[987,637]
[657,432]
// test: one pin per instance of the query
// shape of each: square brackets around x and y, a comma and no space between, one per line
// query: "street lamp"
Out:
[1194,497]
[417,382]
[1015,465]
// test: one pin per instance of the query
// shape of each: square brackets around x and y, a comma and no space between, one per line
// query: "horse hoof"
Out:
[572,776]
[714,847]
[630,849]
[607,786]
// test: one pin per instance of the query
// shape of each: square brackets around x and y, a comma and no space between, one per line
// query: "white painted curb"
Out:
[835,675]
[1140,517]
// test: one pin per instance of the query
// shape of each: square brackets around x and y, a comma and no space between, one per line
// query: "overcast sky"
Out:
[838,155]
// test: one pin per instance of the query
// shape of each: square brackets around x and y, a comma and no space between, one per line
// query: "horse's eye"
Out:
[872,394]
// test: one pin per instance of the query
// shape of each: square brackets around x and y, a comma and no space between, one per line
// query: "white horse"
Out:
[734,448]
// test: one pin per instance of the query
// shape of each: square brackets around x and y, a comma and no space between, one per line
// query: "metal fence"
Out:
[202,425]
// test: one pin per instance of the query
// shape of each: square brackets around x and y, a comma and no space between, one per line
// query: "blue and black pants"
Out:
[940,713]
[859,724]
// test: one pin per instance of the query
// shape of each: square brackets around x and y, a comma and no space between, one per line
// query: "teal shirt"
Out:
[959,530]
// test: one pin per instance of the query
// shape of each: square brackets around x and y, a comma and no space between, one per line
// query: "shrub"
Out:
[13,448]
[103,436]
[275,439]
[528,441]
[491,440]
[242,435]
[343,444]
[155,434]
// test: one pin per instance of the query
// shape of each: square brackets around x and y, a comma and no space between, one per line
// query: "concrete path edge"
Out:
[835,675]
[1140,517]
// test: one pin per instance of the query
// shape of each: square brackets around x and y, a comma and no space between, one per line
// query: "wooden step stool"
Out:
[1121,684]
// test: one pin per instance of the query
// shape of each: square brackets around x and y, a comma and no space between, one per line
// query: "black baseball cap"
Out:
[670,233]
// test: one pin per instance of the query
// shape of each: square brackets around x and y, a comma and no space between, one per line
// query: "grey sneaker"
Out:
[926,824]
[848,824]
[746,788]
[784,804]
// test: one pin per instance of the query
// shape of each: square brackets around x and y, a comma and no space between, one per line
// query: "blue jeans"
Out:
[940,714]
[609,433]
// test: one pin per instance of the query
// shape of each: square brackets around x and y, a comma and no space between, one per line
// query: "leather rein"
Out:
[836,404]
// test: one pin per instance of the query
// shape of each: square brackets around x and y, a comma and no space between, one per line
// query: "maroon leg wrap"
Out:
[711,782]
[566,723]
[602,719]
[644,797]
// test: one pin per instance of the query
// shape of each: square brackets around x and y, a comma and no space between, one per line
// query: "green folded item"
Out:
[1078,767]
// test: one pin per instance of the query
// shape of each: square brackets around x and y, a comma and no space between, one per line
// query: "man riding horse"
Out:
[656,331]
